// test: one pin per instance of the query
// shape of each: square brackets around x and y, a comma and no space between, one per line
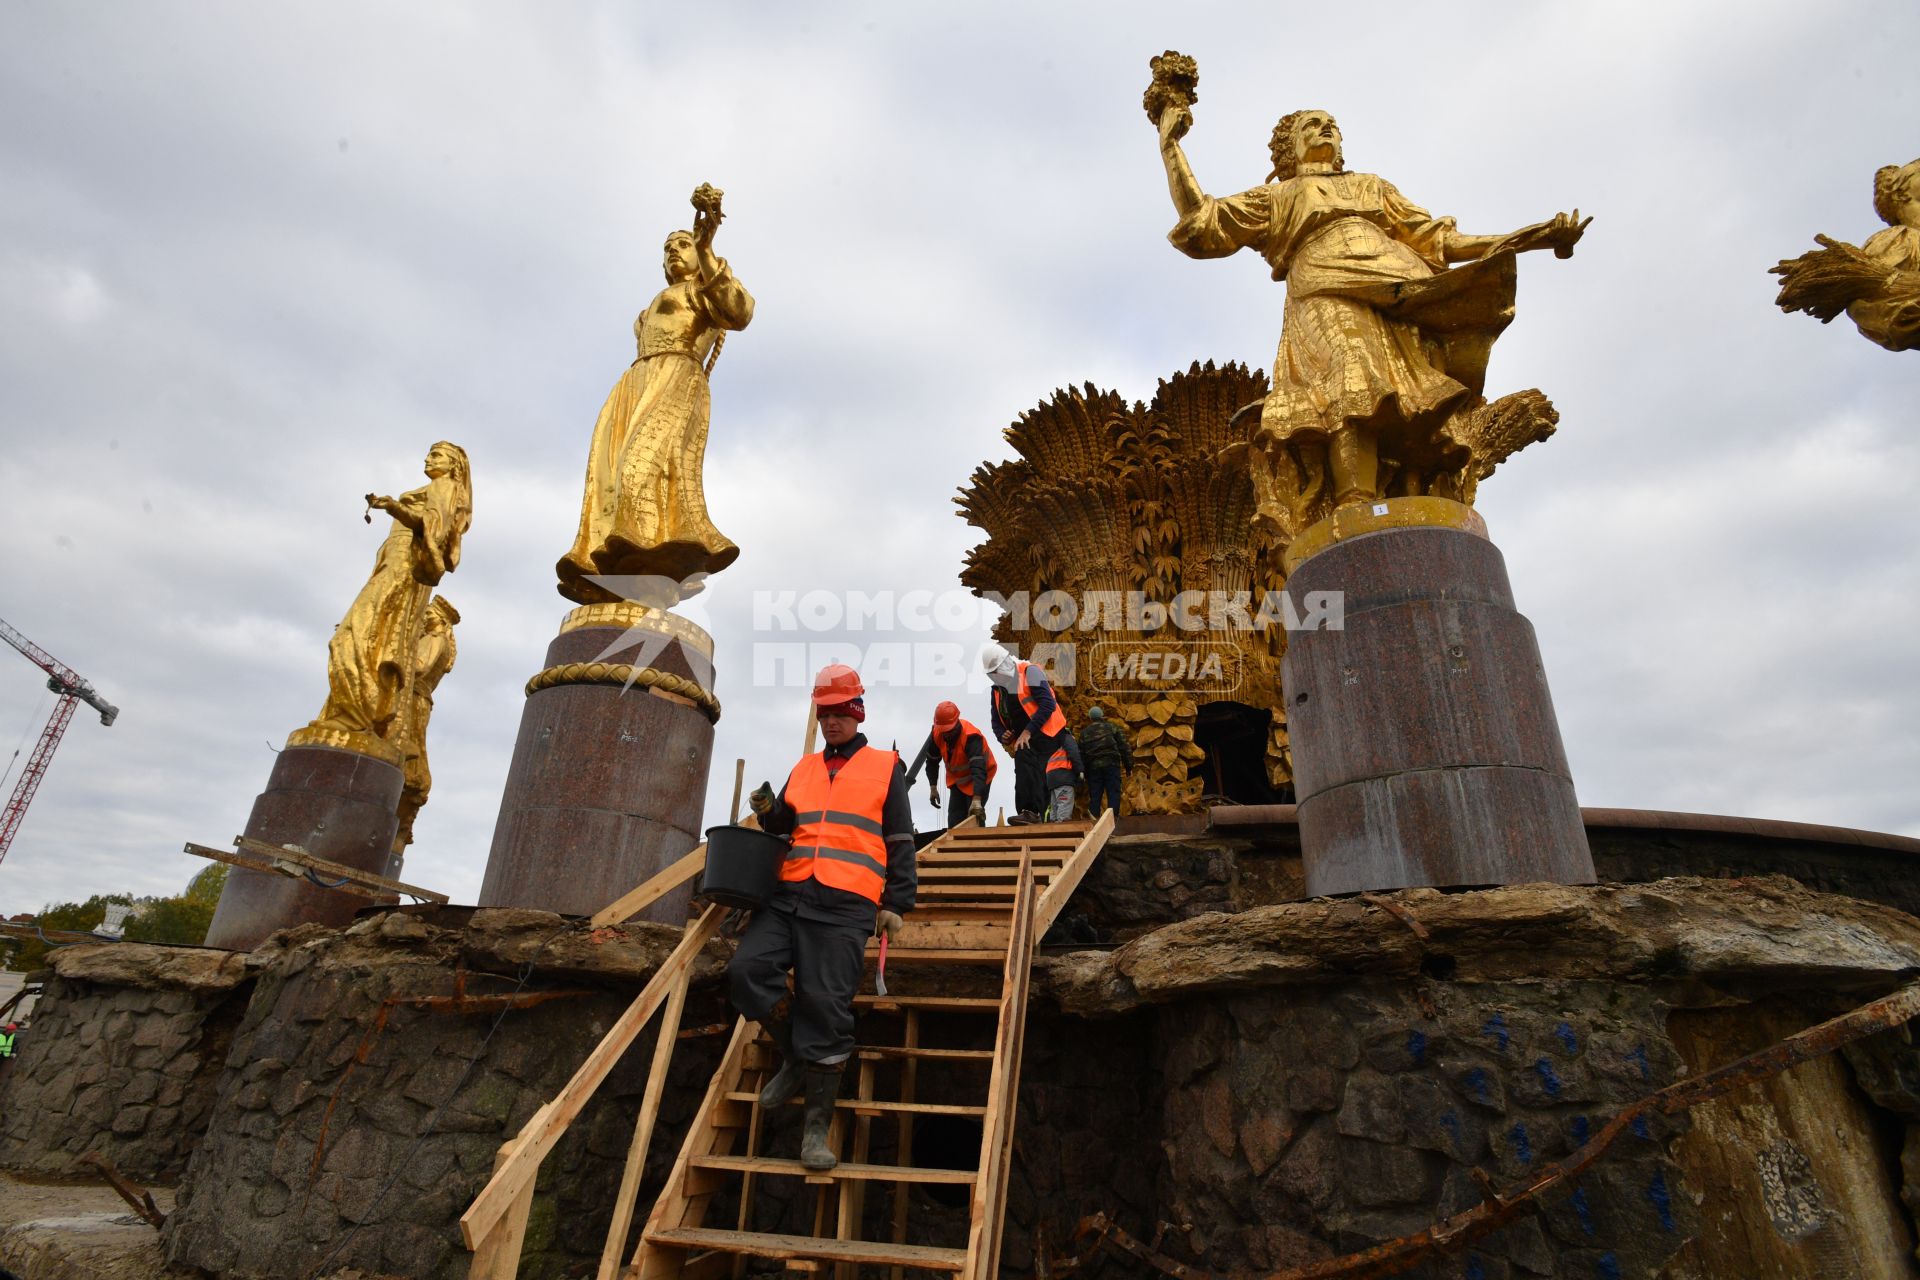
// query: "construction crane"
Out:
[73,690]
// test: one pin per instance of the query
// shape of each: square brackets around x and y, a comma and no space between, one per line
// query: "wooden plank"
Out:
[948,935]
[269,866]
[853,1197]
[943,955]
[663,1047]
[880,1106]
[539,1135]
[766,1245]
[977,889]
[1054,900]
[498,1255]
[845,1171]
[932,1004]
[680,1205]
[1009,1068]
[946,1055]
[663,882]
[986,1203]
[335,869]
[909,1081]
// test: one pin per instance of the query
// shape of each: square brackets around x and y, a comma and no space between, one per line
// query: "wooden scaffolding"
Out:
[986,896]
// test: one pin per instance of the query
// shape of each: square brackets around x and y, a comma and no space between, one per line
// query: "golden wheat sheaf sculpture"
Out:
[1153,498]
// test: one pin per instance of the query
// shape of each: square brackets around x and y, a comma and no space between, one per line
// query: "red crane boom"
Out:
[73,690]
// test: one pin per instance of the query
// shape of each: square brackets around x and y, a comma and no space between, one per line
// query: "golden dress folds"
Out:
[1378,330]
[645,511]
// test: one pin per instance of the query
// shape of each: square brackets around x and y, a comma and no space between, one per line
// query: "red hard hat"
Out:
[836,684]
[945,716]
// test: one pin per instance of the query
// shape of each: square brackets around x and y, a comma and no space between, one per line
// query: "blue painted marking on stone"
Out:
[1580,1130]
[1522,1148]
[1639,1059]
[1450,1121]
[1582,1209]
[1549,1080]
[1476,1269]
[1496,1026]
[1417,1047]
[1641,1129]
[1477,1081]
[1608,1267]
[1568,1041]
[1662,1200]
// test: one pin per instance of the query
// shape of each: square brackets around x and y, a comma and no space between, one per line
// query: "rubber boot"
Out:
[785,1083]
[816,1151]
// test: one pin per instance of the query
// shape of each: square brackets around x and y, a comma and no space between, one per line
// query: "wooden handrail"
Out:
[521,1155]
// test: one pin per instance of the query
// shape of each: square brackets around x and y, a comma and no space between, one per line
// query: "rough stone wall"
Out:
[1330,1075]
[359,1114]
[1143,882]
[123,1061]
[1300,1125]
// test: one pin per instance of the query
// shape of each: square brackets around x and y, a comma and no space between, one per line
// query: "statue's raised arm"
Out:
[1377,385]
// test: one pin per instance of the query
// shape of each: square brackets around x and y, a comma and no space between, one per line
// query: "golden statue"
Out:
[371,657]
[433,657]
[645,511]
[1377,383]
[1877,284]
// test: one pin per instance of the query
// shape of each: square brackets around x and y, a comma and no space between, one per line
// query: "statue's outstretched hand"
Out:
[1565,231]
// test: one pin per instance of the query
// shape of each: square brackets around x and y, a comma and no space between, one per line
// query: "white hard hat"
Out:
[993,657]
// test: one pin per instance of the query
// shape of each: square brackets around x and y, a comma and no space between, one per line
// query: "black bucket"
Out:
[743,865]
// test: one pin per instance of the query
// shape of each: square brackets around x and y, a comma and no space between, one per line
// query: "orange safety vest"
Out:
[959,772]
[1028,703]
[1060,760]
[837,836]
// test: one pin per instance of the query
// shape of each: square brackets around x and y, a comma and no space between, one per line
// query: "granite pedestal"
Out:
[1425,747]
[608,780]
[335,803]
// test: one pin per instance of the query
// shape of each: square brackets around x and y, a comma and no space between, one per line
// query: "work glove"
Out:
[888,925]
[761,801]
[978,811]
[933,796]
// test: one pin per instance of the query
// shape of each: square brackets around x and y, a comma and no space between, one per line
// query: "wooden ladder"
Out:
[986,896]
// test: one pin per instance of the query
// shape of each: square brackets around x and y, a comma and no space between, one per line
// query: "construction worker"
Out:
[7,1038]
[1108,755]
[1026,718]
[970,766]
[1064,773]
[850,874]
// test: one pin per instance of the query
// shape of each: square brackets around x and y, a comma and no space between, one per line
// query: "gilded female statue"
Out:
[1877,284]
[645,509]
[1378,377]
[371,657]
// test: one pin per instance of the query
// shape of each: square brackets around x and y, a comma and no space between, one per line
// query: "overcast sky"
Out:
[255,259]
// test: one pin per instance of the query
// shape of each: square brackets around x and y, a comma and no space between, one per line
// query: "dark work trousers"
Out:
[1030,780]
[826,961]
[958,802]
[1103,789]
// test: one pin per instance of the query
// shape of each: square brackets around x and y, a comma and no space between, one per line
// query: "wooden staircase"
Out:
[986,896]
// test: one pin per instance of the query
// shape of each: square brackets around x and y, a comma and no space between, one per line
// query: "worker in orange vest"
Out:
[1028,722]
[849,875]
[962,749]
[1064,772]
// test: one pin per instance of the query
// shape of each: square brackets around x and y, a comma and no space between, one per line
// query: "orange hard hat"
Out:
[836,683]
[945,716]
